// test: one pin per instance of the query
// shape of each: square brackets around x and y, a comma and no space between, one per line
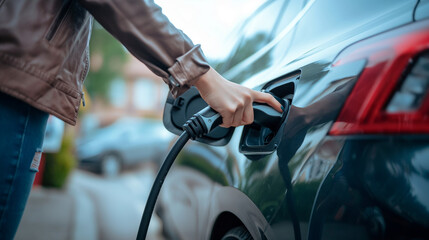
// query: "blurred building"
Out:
[146,92]
[137,93]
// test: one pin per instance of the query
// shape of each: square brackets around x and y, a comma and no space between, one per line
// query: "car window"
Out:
[268,23]
[329,22]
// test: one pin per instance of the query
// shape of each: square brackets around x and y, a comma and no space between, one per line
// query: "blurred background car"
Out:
[125,143]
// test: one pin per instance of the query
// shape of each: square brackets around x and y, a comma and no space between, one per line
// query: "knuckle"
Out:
[230,109]
[247,96]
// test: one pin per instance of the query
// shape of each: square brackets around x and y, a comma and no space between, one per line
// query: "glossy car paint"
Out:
[330,187]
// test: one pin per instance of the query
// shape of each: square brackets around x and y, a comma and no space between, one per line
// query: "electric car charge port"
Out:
[261,137]
[268,138]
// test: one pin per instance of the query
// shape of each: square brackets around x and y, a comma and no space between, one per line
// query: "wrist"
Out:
[204,81]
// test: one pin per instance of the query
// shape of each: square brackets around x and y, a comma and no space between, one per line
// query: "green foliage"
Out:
[111,55]
[59,165]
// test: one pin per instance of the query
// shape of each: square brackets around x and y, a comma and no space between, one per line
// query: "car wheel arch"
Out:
[228,212]
[224,222]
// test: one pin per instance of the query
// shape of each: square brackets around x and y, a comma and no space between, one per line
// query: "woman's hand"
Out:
[232,101]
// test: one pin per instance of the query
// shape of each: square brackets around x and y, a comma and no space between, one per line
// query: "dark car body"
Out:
[351,161]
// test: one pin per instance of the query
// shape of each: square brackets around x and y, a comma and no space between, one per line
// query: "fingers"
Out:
[242,113]
[238,116]
[261,97]
[227,118]
[248,115]
[234,118]
[231,100]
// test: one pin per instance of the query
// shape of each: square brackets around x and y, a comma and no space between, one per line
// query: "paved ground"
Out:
[90,207]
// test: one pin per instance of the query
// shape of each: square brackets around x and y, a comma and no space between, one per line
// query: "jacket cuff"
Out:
[186,70]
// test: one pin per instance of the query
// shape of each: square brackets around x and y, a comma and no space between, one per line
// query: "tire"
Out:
[110,165]
[237,233]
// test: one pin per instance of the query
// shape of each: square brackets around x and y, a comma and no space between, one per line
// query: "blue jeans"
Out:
[22,129]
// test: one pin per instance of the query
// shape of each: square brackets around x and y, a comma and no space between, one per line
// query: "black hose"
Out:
[197,126]
[159,180]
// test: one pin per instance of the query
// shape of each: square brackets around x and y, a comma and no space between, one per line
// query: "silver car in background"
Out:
[125,143]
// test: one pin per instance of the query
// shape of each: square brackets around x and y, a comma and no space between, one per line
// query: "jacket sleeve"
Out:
[147,33]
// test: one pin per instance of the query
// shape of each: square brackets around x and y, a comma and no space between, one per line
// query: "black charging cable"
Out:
[200,124]
[197,126]
[156,187]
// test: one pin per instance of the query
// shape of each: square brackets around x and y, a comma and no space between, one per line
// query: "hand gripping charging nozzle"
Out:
[198,125]
[208,119]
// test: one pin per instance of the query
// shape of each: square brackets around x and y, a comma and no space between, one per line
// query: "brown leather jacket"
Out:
[44,48]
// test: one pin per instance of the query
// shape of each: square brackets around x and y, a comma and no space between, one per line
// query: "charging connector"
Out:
[202,123]
[197,126]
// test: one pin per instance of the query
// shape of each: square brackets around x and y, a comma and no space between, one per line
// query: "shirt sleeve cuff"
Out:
[186,70]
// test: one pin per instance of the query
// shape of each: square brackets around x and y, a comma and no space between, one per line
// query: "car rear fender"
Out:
[236,209]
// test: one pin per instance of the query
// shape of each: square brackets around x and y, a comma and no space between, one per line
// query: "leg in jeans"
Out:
[22,129]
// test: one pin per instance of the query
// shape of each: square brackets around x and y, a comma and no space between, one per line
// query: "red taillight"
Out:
[385,98]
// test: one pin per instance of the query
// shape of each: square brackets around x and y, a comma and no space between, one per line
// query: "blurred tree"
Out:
[107,59]
[59,165]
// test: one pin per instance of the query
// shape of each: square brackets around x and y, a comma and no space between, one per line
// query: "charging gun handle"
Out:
[210,118]
[207,119]
[264,115]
